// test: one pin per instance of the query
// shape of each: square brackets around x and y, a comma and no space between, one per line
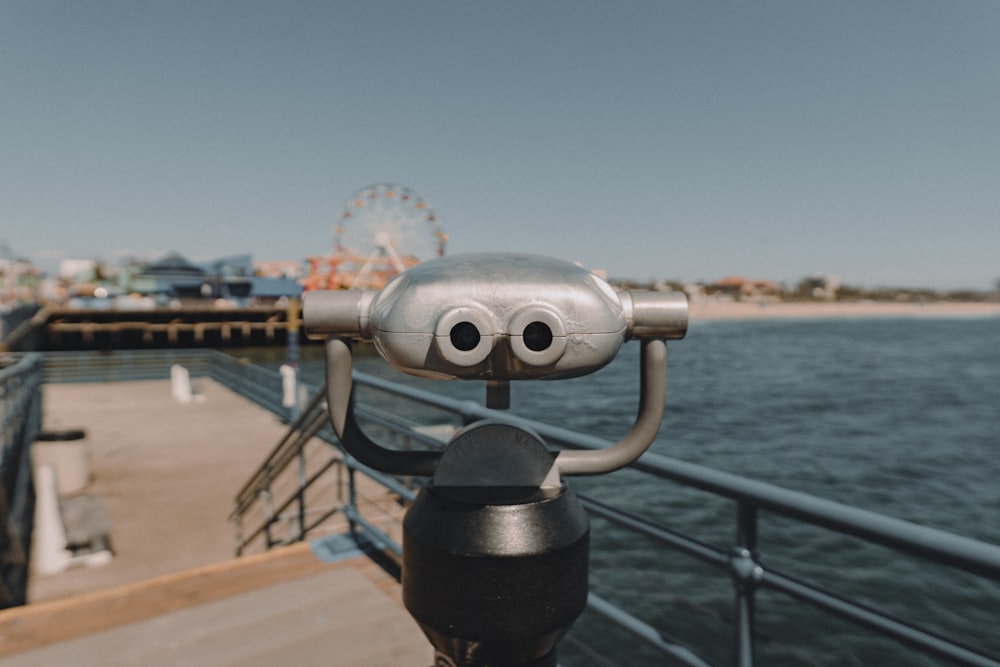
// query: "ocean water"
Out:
[898,416]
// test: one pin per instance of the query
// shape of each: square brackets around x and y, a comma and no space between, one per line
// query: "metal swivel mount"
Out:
[496,545]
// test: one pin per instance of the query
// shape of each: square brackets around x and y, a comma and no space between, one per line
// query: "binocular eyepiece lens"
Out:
[465,336]
[537,336]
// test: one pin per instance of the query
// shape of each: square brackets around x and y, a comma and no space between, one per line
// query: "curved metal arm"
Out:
[340,405]
[652,394]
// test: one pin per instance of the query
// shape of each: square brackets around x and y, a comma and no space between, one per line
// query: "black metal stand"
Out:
[495,575]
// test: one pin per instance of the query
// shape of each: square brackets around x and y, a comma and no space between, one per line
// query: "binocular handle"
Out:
[652,396]
[340,405]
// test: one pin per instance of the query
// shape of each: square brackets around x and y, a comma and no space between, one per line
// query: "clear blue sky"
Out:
[662,139]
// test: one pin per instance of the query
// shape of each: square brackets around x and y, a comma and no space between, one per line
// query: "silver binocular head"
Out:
[496,317]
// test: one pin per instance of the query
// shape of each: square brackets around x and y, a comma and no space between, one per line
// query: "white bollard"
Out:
[288,383]
[51,555]
[180,384]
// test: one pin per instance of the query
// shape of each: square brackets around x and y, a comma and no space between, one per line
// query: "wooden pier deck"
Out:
[173,594]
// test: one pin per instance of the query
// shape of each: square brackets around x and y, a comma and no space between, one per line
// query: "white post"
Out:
[51,555]
[180,384]
[288,382]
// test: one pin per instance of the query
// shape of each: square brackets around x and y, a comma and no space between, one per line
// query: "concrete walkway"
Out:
[173,594]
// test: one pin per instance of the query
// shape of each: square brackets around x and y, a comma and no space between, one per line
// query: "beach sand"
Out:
[703,310]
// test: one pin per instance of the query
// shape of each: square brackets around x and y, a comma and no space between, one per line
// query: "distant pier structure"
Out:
[188,326]
[382,230]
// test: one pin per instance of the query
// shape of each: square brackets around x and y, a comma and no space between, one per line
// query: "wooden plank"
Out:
[35,625]
[336,618]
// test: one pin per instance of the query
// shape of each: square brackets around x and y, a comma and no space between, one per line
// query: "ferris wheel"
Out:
[385,228]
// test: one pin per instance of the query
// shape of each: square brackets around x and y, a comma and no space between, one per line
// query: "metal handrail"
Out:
[16,324]
[305,426]
[740,560]
[20,422]
[312,424]
[947,548]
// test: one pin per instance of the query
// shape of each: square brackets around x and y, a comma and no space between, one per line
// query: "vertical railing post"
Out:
[340,478]
[265,495]
[746,575]
[293,320]
[352,498]
[302,491]
[239,534]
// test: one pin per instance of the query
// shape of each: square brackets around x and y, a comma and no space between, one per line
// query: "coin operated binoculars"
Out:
[496,546]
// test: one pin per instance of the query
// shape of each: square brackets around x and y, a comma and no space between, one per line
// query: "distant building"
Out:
[173,276]
[277,279]
[19,280]
[170,279]
[820,286]
[740,288]
[279,269]
[77,270]
[229,278]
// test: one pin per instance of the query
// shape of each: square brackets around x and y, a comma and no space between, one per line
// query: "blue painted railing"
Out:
[20,420]
[260,385]
[16,325]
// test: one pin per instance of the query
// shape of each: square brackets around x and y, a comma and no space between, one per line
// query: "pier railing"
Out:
[16,325]
[20,420]
[190,326]
[741,561]
[308,486]
[319,484]
[260,385]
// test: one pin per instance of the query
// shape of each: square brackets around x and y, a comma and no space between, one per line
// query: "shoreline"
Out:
[709,311]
